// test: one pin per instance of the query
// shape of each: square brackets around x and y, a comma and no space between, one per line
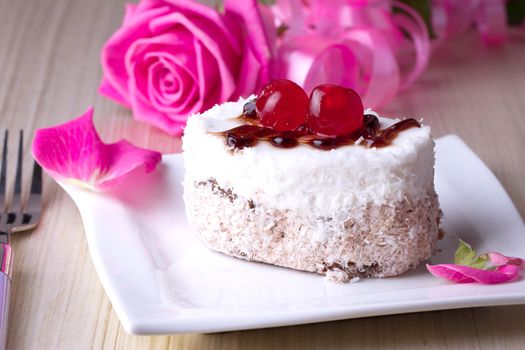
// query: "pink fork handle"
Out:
[5,290]
[5,293]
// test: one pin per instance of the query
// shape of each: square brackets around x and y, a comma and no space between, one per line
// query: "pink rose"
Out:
[172,58]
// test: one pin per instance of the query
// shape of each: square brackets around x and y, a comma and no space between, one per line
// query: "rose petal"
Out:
[497,259]
[248,11]
[198,13]
[142,111]
[207,80]
[250,75]
[259,34]
[73,152]
[112,54]
[225,59]
[172,52]
[178,103]
[129,11]
[466,274]
[174,44]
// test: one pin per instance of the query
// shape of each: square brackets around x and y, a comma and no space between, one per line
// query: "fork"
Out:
[15,218]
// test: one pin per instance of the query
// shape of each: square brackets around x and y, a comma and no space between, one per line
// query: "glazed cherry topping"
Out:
[332,117]
[282,105]
[335,110]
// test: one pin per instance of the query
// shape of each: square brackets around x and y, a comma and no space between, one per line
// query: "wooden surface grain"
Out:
[49,73]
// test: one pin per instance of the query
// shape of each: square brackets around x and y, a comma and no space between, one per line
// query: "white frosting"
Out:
[312,181]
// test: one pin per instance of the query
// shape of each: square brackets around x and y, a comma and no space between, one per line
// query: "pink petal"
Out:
[133,10]
[207,81]
[208,17]
[129,11]
[250,75]
[444,272]
[113,52]
[145,112]
[270,44]
[497,259]
[259,34]
[248,12]
[171,53]
[466,274]
[73,152]
[181,97]
[219,54]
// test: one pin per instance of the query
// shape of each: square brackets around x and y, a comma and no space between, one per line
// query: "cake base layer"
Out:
[370,241]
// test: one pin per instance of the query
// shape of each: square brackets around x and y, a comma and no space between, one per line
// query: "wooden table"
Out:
[49,73]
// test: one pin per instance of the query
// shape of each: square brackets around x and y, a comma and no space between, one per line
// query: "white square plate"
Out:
[161,279]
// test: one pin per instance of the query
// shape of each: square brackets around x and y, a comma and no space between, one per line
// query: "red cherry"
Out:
[335,110]
[282,105]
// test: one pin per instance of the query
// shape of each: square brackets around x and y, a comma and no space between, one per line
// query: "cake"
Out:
[343,200]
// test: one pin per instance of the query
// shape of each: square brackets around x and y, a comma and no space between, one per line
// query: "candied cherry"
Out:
[282,105]
[335,110]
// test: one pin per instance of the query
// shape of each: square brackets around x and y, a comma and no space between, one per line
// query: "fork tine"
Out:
[34,201]
[3,172]
[16,205]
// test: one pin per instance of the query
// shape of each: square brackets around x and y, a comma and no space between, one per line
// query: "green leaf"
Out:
[515,12]
[424,8]
[466,256]
[481,262]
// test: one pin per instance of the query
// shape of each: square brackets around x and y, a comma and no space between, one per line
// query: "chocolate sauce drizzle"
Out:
[249,134]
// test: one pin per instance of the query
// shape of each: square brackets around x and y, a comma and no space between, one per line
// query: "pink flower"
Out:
[74,153]
[490,268]
[172,58]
